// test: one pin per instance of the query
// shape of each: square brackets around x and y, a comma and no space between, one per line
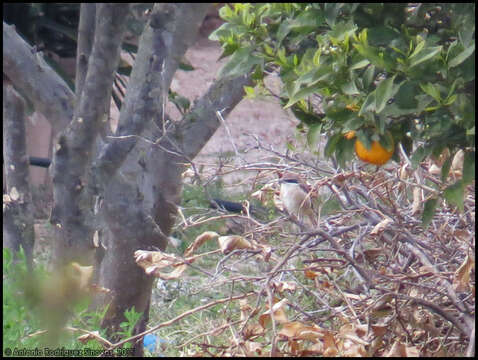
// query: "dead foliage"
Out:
[370,280]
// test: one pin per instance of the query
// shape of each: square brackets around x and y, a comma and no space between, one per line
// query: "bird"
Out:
[296,199]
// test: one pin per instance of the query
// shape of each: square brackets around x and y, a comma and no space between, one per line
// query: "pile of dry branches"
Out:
[370,280]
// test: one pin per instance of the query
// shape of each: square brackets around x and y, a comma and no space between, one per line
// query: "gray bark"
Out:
[73,152]
[139,181]
[36,80]
[18,212]
[140,200]
[86,34]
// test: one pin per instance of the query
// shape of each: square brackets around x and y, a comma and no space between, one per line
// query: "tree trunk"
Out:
[18,209]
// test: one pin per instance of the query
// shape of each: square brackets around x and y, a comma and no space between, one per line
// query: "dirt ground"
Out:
[265,119]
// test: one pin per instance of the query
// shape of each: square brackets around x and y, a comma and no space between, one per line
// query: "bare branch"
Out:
[27,69]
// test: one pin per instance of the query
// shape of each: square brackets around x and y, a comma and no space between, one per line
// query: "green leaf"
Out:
[420,46]
[316,58]
[283,31]
[431,90]
[322,73]
[307,21]
[331,12]
[382,35]
[429,211]
[383,93]
[182,103]
[249,90]
[331,144]
[457,60]
[301,94]
[360,64]
[344,151]
[405,97]
[454,194]
[240,63]
[420,154]
[450,100]
[368,104]
[451,47]
[368,77]
[425,55]
[364,139]
[226,13]
[469,167]
[341,31]
[354,123]
[313,135]
[185,65]
[350,88]
[445,169]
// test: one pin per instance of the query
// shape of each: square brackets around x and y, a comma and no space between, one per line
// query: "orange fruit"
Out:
[350,134]
[376,155]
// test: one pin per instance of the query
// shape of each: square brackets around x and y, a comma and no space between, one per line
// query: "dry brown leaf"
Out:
[252,330]
[154,261]
[14,194]
[310,274]
[440,160]
[96,239]
[96,289]
[282,286]
[330,345]
[86,337]
[457,163]
[400,350]
[253,348]
[233,242]
[265,193]
[382,225]
[434,170]
[417,200]
[82,275]
[404,172]
[372,254]
[461,280]
[315,349]
[266,251]
[245,308]
[189,173]
[300,331]
[279,314]
[277,202]
[201,239]
[379,330]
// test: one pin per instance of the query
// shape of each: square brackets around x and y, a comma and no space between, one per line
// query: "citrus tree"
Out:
[374,77]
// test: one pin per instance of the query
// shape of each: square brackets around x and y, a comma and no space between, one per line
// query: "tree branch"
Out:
[86,34]
[161,47]
[75,145]
[17,211]
[27,69]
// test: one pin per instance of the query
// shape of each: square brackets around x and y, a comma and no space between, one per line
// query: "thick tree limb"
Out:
[27,69]
[75,145]
[201,123]
[172,28]
[17,211]
[86,33]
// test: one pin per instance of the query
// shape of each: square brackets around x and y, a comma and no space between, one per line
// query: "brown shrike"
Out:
[296,200]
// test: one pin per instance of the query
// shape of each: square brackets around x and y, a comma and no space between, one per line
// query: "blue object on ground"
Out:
[149,342]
